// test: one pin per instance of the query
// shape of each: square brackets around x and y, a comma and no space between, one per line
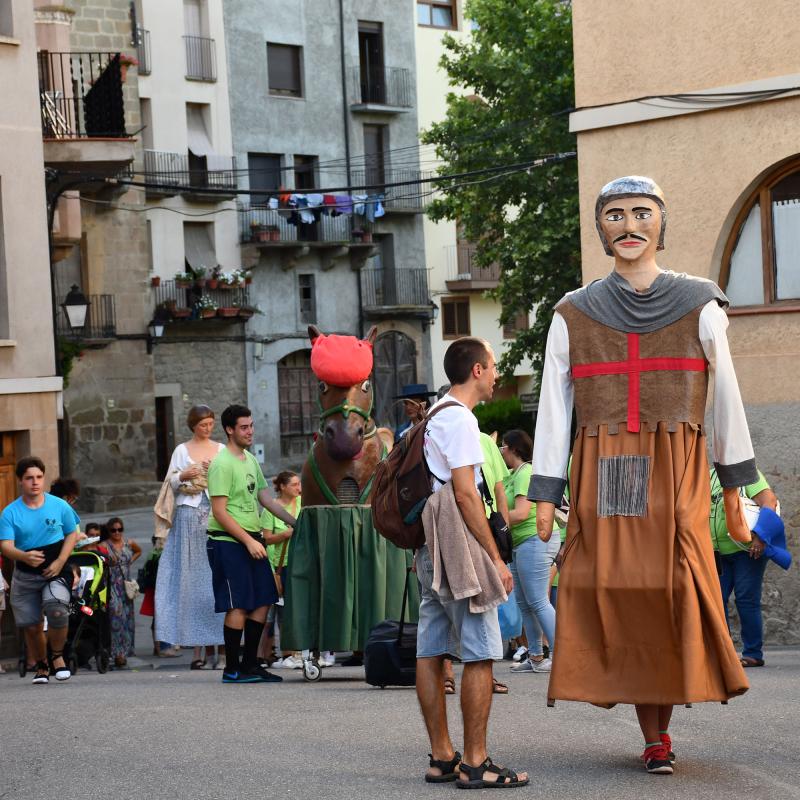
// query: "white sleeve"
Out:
[551,444]
[177,464]
[731,445]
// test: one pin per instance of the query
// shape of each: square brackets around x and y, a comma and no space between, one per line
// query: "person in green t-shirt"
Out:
[742,567]
[532,557]
[244,587]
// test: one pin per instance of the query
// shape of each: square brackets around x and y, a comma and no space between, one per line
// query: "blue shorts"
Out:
[239,580]
[448,628]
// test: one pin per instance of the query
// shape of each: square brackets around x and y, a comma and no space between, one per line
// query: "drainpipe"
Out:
[346,120]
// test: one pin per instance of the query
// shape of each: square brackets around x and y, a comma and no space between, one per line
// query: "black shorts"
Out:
[239,580]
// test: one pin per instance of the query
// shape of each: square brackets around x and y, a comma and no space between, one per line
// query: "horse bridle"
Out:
[345,409]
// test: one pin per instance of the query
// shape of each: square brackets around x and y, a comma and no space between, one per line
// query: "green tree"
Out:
[518,65]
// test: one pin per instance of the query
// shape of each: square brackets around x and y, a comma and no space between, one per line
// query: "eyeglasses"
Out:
[116,530]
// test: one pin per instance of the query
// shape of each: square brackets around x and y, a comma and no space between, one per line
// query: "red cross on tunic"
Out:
[633,367]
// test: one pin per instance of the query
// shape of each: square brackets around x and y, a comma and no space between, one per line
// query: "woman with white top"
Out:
[184,596]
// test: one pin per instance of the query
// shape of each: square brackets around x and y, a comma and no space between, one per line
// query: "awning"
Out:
[198,245]
[199,140]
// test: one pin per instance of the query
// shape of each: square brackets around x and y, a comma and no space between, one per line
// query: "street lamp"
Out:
[75,306]
[434,312]
[155,331]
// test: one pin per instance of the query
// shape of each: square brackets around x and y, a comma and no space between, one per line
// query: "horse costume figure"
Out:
[341,465]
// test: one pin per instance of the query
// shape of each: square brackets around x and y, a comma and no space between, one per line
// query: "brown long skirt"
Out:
[640,616]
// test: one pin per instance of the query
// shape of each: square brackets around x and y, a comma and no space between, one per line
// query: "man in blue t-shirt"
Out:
[38,532]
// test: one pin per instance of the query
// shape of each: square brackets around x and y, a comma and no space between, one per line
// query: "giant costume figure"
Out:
[640,618]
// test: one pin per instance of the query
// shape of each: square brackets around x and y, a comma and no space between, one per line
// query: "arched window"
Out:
[761,261]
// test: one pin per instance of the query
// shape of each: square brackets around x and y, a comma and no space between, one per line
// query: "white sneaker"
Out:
[296,662]
[219,663]
[543,666]
[327,659]
[280,663]
[520,653]
[523,666]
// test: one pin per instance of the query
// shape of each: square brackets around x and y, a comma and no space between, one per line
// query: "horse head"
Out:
[345,412]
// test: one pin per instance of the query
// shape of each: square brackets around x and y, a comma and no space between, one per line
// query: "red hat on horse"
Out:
[341,360]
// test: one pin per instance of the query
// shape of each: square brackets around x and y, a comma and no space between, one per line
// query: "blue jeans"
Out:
[531,570]
[744,576]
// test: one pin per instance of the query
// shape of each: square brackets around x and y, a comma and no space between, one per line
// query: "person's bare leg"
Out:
[476,703]
[430,693]
[664,716]
[197,653]
[648,721]
[35,644]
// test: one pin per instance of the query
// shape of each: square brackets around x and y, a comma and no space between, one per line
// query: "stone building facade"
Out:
[729,165]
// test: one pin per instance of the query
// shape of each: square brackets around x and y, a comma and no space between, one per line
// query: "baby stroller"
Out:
[90,622]
[89,633]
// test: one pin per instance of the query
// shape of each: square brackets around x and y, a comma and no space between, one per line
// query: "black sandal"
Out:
[449,769]
[506,778]
[197,664]
[42,673]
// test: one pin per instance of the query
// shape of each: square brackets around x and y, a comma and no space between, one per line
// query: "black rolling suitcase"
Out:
[390,655]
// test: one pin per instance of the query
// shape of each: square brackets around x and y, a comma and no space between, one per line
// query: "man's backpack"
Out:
[402,486]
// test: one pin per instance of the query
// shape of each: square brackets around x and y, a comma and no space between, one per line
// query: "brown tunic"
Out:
[640,616]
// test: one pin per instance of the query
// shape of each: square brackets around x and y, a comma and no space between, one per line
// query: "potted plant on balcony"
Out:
[199,276]
[180,312]
[213,280]
[246,311]
[226,280]
[248,276]
[256,229]
[206,307]
[183,280]
[155,281]
[227,311]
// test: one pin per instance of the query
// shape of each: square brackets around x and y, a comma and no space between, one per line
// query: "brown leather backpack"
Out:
[402,487]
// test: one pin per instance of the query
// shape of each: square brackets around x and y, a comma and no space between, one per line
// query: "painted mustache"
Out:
[629,236]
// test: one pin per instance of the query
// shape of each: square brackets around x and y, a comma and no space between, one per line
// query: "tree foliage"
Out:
[518,66]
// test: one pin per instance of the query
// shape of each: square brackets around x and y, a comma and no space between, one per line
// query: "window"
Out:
[376,143]
[305,178]
[308,299]
[761,261]
[370,61]
[6,19]
[437,13]
[284,70]
[455,317]
[518,323]
[199,140]
[264,171]
[198,245]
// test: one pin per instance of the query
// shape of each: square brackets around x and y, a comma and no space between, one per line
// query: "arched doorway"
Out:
[297,399]
[395,366]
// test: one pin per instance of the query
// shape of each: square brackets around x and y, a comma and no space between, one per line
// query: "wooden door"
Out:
[395,367]
[8,481]
[298,391]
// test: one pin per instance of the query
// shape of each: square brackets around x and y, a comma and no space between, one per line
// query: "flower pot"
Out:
[275,235]
[183,284]
[225,311]
[224,285]
[246,313]
[248,281]
[212,283]
[200,283]
[366,237]
[155,280]
[263,236]
[208,313]
[181,313]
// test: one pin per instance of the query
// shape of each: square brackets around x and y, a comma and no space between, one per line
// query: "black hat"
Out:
[414,391]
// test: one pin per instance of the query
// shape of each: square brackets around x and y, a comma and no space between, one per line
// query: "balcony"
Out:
[411,199]
[143,51]
[83,117]
[190,175]
[383,90]
[395,292]
[464,274]
[198,302]
[101,322]
[201,58]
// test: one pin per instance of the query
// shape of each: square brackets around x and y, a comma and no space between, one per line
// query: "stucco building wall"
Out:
[708,164]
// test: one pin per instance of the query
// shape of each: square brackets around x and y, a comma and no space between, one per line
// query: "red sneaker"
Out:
[667,742]
[656,760]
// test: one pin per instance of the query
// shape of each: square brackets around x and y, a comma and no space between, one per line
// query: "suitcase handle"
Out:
[403,607]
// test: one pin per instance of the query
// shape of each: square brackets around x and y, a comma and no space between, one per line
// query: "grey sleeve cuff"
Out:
[733,476]
[548,490]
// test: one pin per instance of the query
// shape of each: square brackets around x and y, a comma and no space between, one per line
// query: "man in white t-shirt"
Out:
[447,628]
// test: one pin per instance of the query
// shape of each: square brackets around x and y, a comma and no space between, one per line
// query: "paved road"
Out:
[167,732]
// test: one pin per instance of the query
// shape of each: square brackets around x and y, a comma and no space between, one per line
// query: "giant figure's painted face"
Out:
[631,186]
[631,226]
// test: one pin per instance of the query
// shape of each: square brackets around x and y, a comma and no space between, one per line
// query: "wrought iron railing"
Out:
[81,95]
[143,50]
[101,320]
[174,171]
[415,196]
[406,286]
[176,299]
[201,58]
[384,86]
[261,224]
[462,265]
